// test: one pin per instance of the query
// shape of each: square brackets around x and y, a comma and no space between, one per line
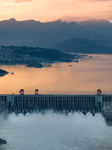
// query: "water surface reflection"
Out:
[84,77]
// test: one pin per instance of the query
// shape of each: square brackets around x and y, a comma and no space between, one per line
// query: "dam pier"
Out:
[21,103]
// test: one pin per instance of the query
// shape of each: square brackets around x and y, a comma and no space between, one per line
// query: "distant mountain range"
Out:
[92,35]
[79,45]
[83,45]
[103,27]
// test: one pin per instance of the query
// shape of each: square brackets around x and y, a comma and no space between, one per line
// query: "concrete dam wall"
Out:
[57,103]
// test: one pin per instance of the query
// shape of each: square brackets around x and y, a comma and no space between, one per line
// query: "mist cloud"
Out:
[56,131]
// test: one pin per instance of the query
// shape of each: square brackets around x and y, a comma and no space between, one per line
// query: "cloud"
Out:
[104,12]
[6,1]
[75,18]
[14,1]
[99,0]
[21,1]
[109,6]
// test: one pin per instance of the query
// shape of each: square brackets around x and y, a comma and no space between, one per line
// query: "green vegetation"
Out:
[34,64]
[33,57]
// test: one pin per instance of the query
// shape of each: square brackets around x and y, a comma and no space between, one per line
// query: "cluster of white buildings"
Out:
[7,54]
[10,55]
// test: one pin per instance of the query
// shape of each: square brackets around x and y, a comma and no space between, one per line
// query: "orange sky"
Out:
[49,10]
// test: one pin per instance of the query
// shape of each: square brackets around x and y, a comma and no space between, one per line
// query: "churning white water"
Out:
[54,131]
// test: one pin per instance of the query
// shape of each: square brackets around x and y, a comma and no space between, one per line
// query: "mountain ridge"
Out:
[80,45]
[39,34]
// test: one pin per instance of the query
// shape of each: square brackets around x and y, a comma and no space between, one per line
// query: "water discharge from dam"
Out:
[55,131]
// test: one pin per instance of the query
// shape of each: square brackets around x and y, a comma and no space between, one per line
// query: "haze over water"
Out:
[58,131]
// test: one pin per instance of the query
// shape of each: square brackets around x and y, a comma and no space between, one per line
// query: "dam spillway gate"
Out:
[57,103]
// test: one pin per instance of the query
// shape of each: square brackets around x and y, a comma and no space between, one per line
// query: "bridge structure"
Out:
[58,103]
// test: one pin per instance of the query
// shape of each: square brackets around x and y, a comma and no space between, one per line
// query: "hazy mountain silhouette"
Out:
[79,45]
[103,27]
[38,34]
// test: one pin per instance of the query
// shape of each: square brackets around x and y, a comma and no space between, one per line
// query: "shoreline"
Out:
[3,72]
[2,142]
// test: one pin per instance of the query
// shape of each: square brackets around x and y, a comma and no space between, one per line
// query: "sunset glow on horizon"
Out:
[50,10]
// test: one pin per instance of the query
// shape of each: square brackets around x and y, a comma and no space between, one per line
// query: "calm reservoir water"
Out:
[58,131]
[84,77]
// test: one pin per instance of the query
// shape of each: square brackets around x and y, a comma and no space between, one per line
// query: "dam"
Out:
[98,103]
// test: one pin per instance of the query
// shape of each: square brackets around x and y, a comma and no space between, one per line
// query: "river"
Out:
[57,131]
